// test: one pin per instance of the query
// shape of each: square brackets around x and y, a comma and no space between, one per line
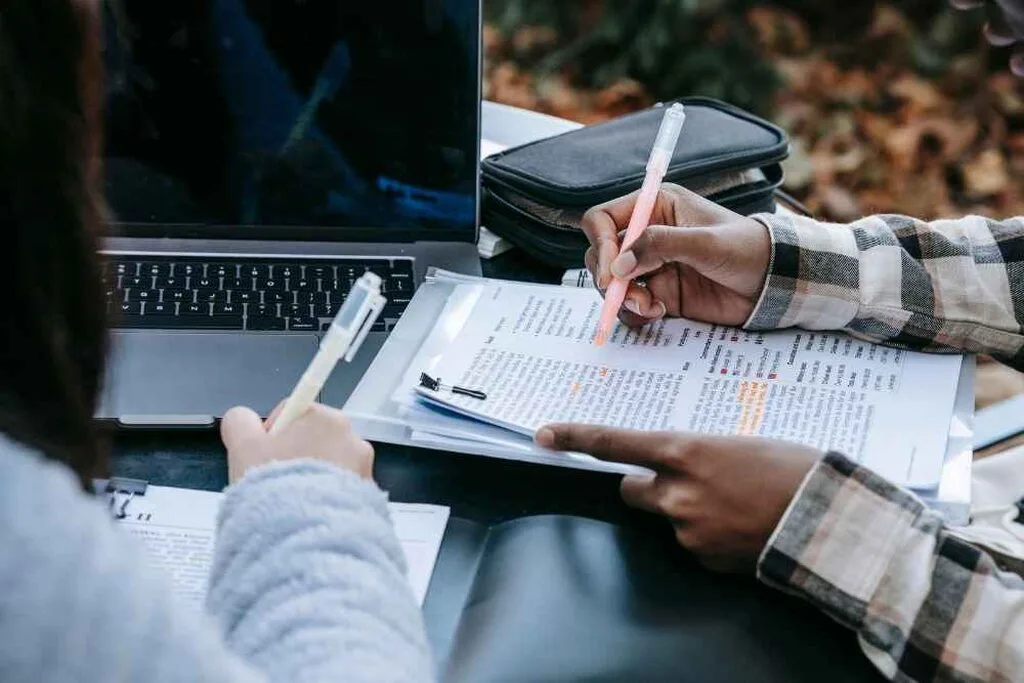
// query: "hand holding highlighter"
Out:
[657,167]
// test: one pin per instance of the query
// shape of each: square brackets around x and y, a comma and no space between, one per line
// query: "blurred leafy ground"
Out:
[891,109]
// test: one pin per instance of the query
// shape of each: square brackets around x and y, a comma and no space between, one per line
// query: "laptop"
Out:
[260,156]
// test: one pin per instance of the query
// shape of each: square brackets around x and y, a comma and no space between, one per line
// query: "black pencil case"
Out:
[535,195]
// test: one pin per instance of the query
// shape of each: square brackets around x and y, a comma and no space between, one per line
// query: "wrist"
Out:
[813,276]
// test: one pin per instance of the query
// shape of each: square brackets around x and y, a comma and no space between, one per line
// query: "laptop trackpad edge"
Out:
[190,379]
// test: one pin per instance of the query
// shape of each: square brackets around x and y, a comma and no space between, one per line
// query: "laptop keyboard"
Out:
[155,292]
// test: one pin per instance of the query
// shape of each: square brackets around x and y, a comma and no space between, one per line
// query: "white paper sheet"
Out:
[530,349]
[178,527]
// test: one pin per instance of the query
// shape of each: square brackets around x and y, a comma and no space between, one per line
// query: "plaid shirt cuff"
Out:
[813,277]
[835,543]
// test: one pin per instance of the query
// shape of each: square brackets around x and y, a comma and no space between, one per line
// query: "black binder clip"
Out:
[428,382]
[121,491]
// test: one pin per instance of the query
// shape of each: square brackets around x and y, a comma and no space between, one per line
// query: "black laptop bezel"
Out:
[332,233]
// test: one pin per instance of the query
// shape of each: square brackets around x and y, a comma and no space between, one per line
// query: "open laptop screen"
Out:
[344,119]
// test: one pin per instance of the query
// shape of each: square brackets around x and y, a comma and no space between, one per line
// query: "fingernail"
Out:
[658,310]
[1017,64]
[624,264]
[998,36]
[632,307]
[545,438]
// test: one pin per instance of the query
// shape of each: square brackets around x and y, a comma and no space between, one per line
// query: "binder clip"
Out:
[428,382]
[121,491]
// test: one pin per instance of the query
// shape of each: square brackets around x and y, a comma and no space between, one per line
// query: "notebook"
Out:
[527,349]
[178,529]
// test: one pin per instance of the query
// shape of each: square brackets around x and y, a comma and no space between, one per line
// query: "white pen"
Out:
[346,334]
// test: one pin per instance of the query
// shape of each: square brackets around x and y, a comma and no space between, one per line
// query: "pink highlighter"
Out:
[657,167]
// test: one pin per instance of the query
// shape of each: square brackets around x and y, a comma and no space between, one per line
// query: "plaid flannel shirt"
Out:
[925,605]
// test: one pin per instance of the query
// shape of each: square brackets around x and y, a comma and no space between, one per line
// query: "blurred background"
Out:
[891,107]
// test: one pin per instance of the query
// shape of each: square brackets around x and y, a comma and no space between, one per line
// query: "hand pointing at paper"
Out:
[723,495]
[696,260]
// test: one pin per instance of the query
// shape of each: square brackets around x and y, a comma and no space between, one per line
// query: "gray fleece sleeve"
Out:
[309,579]
[307,586]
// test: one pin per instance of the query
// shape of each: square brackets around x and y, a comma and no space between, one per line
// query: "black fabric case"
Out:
[535,195]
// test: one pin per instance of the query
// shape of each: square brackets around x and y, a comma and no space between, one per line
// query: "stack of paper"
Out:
[529,349]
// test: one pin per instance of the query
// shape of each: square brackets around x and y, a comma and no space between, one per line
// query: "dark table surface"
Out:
[479,489]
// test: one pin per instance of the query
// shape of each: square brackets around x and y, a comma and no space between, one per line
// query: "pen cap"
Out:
[364,290]
[668,137]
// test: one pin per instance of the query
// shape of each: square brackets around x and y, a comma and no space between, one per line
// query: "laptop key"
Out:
[312,297]
[134,308]
[156,308]
[301,285]
[170,282]
[401,268]
[255,270]
[179,295]
[236,284]
[121,268]
[194,309]
[303,324]
[211,296]
[245,297]
[265,323]
[269,285]
[278,298]
[142,295]
[222,270]
[227,309]
[288,271]
[210,322]
[149,322]
[189,269]
[155,268]
[136,282]
[320,272]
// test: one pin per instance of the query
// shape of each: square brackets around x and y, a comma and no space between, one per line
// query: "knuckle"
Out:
[590,223]
[689,538]
[366,451]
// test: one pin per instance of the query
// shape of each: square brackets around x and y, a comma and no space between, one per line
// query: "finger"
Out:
[641,493]
[684,207]
[590,260]
[648,449]
[601,225]
[274,414]
[240,425]
[967,4]
[642,306]
[660,245]
[1017,62]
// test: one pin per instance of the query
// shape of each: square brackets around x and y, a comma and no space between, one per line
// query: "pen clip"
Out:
[376,307]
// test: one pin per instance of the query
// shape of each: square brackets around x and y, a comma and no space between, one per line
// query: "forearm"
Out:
[926,606]
[951,285]
[309,579]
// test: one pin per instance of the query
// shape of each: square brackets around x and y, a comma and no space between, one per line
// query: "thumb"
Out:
[240,425]
[659,245]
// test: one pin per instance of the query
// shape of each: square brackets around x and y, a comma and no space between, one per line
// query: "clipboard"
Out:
[383,406]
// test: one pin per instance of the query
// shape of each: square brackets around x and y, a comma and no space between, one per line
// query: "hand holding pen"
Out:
[697,259]
[657,166]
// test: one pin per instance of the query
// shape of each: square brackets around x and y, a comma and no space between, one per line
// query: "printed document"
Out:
[178,528]
[529,349]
